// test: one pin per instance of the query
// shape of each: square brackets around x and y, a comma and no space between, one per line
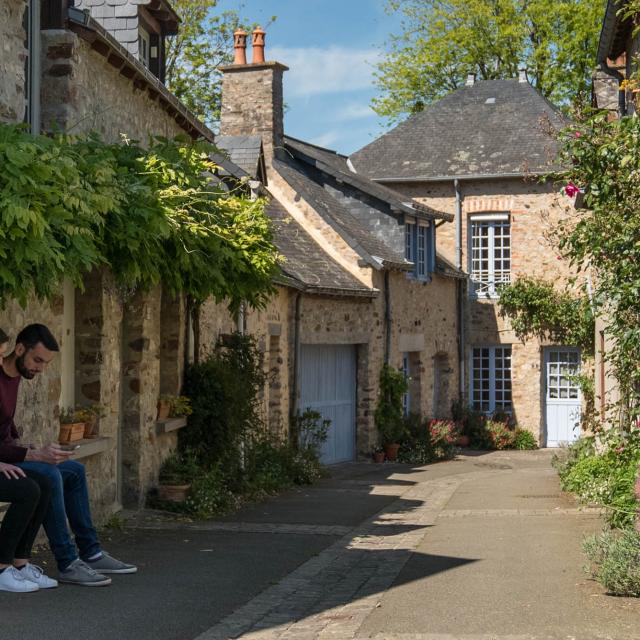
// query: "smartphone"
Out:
[69,447]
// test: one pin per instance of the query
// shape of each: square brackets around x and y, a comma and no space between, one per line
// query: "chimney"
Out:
[252,99]
[522,74]
[471,80]
[258,45]
[239,47]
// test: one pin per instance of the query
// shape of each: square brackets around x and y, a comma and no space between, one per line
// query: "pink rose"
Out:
[571,190]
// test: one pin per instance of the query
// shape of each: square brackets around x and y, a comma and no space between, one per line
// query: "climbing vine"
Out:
[152,215]
[536,309]
[602,161]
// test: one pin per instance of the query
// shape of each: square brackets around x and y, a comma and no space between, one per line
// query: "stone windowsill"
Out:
[170,424]
[91,446]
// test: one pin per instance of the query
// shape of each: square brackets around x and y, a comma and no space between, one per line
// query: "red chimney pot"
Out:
[240,46]
[258,45]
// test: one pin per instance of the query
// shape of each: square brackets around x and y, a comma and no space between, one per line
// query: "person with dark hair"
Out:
[82,562]
[28,499]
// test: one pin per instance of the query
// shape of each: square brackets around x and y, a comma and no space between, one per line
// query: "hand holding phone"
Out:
[69,447]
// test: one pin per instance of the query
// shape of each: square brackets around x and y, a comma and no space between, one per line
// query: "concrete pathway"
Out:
[482,548]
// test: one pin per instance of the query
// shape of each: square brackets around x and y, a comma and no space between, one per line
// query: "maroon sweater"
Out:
[9,450]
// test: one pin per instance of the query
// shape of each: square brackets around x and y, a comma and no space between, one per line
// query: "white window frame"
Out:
[32,67]
[485,282]
[144,52]
[498,381]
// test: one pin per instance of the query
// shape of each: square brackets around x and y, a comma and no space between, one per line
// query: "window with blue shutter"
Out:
[420,249]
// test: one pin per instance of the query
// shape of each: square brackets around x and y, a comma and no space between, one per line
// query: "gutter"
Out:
[387,319]
[460,293]
[486,176]
[293,408]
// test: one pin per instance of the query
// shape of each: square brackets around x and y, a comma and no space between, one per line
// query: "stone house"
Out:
[480,154]
[338,222]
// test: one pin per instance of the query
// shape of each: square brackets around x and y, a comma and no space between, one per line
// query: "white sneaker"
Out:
[11,579]
[34,573]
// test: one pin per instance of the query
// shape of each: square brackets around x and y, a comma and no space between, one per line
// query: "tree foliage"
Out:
[204,43]
[152,215]
[536,309]
[441,41]
[603,160]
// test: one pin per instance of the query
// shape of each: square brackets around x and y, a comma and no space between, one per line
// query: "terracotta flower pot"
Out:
[71,432]
[463,441]
[164,409]
[378,456]
[391,451]
[173,492]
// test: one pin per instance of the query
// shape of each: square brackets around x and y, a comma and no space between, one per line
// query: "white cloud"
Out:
[355,111]
[327,139]
[316,70]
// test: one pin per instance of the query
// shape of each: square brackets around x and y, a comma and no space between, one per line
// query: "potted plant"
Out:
[90,415]
[71,429]
[181,406]
[176,475]
[378,454]
[389,410]
[165,402]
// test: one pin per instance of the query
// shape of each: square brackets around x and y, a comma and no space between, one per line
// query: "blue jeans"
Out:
[69,499]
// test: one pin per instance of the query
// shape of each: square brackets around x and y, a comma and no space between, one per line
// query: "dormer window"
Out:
[420,248]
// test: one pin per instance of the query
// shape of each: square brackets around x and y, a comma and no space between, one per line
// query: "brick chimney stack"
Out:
[252,99]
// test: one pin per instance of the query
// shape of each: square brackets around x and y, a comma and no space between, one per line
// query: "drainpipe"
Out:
[460,292]
[293,409]
[614,73]
[387,319]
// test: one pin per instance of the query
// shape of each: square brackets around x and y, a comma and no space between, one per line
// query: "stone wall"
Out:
[12,59]
[535,210]
[82,92]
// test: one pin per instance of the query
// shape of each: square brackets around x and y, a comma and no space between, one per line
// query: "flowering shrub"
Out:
[428,442]
[602,470]
[442,436]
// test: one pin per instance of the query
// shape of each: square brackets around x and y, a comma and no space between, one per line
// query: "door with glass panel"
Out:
[563,398]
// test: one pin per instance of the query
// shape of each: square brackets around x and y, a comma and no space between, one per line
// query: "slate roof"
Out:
[373,251]
[306,266]
[495,127]
[245,151]
[337,166]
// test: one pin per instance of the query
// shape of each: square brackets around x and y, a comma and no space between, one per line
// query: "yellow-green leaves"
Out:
[151,215]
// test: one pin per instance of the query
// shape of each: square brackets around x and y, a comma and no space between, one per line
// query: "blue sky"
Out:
[330,47]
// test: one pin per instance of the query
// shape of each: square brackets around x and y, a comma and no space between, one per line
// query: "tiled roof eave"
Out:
[106,45]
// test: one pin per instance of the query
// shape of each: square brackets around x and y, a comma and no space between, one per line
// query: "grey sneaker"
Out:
[108,564]
[79,573]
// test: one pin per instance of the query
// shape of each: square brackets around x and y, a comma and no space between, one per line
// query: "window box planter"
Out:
[71,432]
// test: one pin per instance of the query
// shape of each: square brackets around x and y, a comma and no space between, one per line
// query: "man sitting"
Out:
[87,563]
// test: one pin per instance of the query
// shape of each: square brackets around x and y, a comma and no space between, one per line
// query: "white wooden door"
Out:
[563,398]
[328,385]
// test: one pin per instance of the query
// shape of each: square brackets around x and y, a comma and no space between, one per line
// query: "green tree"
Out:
[204,42]
[441,41]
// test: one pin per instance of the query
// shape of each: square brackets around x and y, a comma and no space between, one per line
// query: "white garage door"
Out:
[328,385]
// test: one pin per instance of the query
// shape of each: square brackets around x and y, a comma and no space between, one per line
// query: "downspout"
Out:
[461,298]
[387,319]
[293,409]
[622,98]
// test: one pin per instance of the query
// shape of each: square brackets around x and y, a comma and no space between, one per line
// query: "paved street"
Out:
[484,547]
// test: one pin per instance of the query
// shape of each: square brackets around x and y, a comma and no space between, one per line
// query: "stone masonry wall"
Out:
[82,92]
[12,59]
[535,210]
[98,338]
